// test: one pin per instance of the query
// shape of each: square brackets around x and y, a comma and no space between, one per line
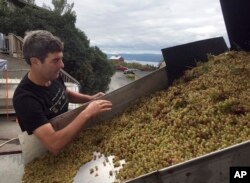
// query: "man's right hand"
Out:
[98,106]
[55,141]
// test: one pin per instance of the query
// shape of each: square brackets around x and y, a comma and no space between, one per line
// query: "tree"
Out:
[62,7]
[30,1]
[89,65]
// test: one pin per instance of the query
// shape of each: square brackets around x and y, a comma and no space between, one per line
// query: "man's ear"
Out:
[34,61]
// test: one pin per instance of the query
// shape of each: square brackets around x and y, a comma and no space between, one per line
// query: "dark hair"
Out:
[39,43]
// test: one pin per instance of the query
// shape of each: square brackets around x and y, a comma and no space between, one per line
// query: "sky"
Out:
[146,26]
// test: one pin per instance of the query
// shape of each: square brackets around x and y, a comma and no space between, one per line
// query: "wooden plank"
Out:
[9,130]
[10,148]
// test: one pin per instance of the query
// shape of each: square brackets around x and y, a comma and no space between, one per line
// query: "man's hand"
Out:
[78,98]
[99,94]
[55,141]
[98,106]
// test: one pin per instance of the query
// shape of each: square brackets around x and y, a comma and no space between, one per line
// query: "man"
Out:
[42,95]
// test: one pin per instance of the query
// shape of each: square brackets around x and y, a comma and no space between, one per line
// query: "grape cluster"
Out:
[206,110]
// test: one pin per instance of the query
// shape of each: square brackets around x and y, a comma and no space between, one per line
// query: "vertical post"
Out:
[6,93]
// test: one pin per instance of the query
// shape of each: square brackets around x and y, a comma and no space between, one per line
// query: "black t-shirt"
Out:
[35,105]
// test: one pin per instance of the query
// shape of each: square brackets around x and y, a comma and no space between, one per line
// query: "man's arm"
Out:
[55,141]
[75,97]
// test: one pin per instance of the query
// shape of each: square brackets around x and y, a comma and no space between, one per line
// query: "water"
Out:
[143,62]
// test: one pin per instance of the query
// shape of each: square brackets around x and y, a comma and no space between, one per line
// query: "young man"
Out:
[42,95]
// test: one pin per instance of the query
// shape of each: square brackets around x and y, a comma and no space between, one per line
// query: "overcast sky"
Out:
[146,26]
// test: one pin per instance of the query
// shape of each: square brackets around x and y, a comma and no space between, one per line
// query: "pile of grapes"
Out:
[206,110]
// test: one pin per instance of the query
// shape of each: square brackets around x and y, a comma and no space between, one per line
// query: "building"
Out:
[117,59]
[11,44]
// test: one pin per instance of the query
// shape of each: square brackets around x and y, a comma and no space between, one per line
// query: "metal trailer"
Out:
[210,168]
[213,167]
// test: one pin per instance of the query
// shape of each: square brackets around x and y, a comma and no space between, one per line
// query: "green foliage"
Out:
[139,66]
[62,7]
[130,76]
[89,65]
[97,69]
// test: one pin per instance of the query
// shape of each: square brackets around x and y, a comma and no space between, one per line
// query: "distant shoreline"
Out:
[139,57]
[154,63]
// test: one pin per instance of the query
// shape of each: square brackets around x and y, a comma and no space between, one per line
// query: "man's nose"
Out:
[61,64]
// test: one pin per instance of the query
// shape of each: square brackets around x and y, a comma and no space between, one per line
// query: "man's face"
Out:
[51,66]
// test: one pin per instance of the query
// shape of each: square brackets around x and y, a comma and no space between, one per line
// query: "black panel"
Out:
[237,19]
[179,58]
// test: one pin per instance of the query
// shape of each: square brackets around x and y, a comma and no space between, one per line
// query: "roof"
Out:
[116,57]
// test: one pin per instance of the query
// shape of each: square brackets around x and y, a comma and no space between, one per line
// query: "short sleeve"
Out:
[29,113]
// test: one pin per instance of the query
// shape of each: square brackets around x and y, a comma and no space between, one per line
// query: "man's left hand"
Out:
[99,94]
